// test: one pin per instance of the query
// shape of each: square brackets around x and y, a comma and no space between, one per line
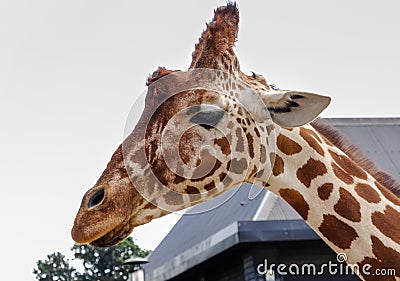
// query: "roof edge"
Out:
[213,245]
[233,234]
[364,121]
[275,231]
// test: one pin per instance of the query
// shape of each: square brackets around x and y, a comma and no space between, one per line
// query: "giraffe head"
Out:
[202,132]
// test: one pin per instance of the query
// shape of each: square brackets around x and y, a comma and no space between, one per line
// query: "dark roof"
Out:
[197,237]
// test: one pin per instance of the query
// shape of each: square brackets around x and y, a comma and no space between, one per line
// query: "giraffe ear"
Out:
[294,109]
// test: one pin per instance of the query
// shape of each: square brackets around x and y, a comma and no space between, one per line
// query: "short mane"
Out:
[344,144]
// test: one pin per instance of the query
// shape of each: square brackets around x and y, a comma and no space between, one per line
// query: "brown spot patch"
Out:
[287,146]
[161,171]
[270,129]
[388,223]
[347,206]
[367,192]
[149,206]
[151,148]
[388,194]
[212,192]
[140,158]
[225,179]
[349,165]
[311,138]
[279,165]
[338,232]
[200,173]
[263,154]
[342,175]
[257,132]
[325,190]
[209,186]
[310,171]
[223,143]
[312,133]
[250,144]
[237,166]
[178,179]
[153,182]
[192,190]
[240,142]
[123,173]
[296,200]
[148,218]
[173,198]
[188,147]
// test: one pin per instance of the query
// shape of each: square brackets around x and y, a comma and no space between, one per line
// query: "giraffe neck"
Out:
[345,206]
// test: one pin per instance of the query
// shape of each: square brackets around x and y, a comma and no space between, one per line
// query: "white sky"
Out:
[69,71]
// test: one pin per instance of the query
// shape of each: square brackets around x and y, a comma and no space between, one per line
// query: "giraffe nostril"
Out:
[96,198]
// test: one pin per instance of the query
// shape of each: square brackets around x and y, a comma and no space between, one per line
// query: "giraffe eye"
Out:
[96,198]
[207,119]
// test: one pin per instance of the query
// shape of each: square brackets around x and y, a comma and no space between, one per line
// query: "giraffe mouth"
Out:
[113,237]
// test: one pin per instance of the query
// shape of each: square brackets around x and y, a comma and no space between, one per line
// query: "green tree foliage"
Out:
[56,267]
[103,264]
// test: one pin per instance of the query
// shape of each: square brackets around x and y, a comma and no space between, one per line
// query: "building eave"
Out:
[228,237]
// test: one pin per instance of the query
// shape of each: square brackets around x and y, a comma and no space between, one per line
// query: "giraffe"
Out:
[225,128]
